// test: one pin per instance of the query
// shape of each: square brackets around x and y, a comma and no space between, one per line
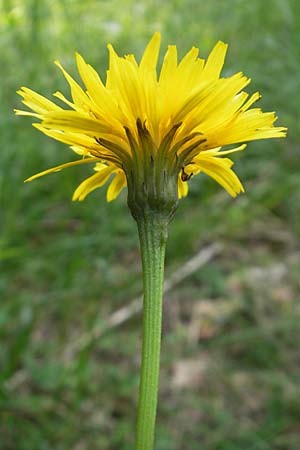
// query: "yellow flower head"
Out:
[140,123]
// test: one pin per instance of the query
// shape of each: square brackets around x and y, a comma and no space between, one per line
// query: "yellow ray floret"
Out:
[137,119]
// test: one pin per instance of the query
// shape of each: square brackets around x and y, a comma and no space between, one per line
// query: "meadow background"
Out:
[230,374]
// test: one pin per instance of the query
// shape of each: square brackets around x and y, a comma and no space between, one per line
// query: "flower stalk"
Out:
[152,229]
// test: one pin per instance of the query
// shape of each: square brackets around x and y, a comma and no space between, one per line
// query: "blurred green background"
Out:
[230,358]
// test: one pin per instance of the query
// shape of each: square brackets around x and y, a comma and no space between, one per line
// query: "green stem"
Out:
[153,234]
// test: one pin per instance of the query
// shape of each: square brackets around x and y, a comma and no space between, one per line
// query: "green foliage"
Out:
[231,339]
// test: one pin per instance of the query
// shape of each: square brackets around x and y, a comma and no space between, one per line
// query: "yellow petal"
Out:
[38,103]
[76,122]
[79,97]
[246,126]
[216,106]
[182,187]
[68,137]
[215,61]
[93,182]
[169,64]
[220,170]
[150,55]
[233,150]
[116,186]
[254,98]
[19,112]
[89,76]
[124,81]
[218,152]
[102,98]
[61,97]
[190,58]
[190,70]
[60,167]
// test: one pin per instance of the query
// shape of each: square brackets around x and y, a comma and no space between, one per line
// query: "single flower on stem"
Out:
[152,133]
